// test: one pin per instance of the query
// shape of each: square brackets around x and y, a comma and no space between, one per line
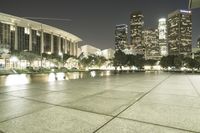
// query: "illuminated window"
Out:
[12,28]
[27,31]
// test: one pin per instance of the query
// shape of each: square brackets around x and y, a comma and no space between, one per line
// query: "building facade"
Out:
[19,34]
[151,43]
[108,53]
[87,50]
[198,43]
[162,34]
[121,36]
[136,28]
[179,35]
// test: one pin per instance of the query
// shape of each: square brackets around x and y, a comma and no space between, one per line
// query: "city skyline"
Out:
[95,24]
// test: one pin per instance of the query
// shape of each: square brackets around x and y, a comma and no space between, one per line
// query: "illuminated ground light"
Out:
[17,79]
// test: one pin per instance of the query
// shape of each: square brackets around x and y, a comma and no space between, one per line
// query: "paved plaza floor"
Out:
[127,103]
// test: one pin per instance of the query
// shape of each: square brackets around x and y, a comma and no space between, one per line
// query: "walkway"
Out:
[127,103]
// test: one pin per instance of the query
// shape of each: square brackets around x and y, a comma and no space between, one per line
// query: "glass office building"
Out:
[179,35]
[151,43]
[136,28]
[121,36]
[162,33]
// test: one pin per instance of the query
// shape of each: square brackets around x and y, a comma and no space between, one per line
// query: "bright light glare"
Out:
[52,77]
[14,59]
[93,73]
[60,76]
[16,80]
[107,73]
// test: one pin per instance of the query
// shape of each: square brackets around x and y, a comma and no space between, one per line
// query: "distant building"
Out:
[198,43]
[121,36]
[162,34]
[136,28]
[195,52]
[179,33]
[108,53]
[19,34]
[151,43]
[90,50]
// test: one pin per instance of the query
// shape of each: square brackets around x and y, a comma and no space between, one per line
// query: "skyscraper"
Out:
[162,32]
[121,36]
[136,27]
[179,33]
[150,41]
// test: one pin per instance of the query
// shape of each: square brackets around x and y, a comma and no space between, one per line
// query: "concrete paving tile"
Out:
[129,95]
[173,91]
[126,126]
[177,86]
[83,91]
[174,116]
[55,120]
[104,105]
[57,97]
[176,100]
[15,108]
[11,88]
[27,92]
[4,97]
[194,79]
[133,88]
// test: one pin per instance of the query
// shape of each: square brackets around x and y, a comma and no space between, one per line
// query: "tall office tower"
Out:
[151,43]
[162,34]
[121,36]
[179,35]
[136,27]
[198,43]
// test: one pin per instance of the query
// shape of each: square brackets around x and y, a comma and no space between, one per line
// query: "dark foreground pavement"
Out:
[131,103]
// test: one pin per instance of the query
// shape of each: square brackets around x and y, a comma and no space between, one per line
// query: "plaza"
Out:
[150,102]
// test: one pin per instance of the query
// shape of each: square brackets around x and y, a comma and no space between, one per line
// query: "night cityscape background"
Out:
[93,20]
[97,66]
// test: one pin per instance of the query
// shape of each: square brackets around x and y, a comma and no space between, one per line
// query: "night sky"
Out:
[94,20]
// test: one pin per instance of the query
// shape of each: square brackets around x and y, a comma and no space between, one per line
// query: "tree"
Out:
[119,59]
[30,57]
[139,61]
[150,62]
[130,60]
[164,62]
[191,63]
[99,60]
[178,62]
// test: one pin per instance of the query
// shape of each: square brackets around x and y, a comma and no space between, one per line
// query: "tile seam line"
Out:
[133,103]
[55,105]
[9,119]
[149,123]
[193,86]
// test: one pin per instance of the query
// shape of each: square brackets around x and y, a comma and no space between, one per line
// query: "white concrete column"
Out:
[30,39]
[52,50]
[16,38]
[70,47]
[65,45]
[42,41]
[76,49]
[59,44]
